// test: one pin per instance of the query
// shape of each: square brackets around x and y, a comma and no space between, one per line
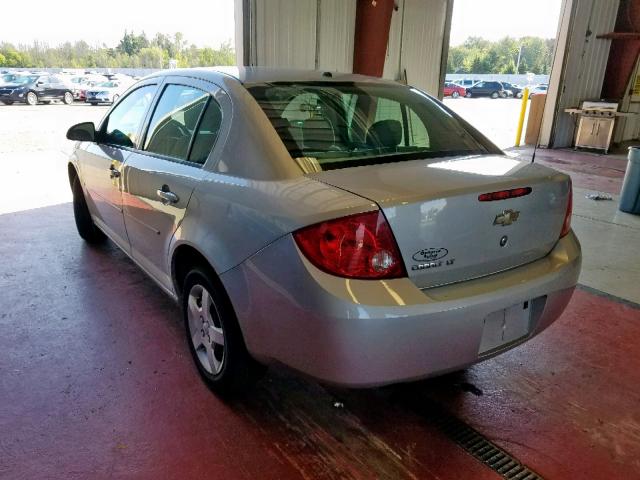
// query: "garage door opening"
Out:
[496,50]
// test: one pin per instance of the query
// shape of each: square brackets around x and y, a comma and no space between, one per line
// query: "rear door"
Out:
[101,162]
[160,178]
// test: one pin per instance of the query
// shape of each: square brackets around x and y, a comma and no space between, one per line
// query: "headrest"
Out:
[385,134]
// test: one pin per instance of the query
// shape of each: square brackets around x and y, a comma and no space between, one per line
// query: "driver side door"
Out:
[101,162]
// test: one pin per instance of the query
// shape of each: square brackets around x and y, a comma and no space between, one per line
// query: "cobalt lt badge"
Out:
[507,217]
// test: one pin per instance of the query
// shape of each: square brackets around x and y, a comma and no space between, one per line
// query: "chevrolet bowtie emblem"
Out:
[507,217]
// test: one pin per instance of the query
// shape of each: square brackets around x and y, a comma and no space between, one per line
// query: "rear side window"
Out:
[329,125]
[207,133]
[175,120]
[123,124]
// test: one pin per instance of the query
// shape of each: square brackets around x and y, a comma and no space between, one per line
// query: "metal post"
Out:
[519,55]
[523,110]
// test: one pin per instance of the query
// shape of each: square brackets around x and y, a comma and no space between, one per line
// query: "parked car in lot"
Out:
[365,241]
[538,89]
[105,92]
[34,89]
[454,90]
[487,89]
[466,82]
[516,90]
[81,83]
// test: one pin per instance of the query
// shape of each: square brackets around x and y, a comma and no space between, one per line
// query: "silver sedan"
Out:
[352,228]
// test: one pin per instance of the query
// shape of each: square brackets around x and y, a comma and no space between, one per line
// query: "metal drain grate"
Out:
[476,444]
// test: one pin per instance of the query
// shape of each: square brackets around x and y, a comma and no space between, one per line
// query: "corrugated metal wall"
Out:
[284,33]
[320,34]
[628,128]
[335,35]
[302,33]
[416,43]
[585,63]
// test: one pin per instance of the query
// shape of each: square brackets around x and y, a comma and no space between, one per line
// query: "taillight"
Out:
[358,246]
[566,226]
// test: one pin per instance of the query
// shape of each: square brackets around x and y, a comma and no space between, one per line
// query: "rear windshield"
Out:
[333,125]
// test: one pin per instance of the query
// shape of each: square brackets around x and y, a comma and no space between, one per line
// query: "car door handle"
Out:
[167,196]
[113,172]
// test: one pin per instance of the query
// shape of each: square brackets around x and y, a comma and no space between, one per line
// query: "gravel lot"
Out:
[34,150]
[497,119]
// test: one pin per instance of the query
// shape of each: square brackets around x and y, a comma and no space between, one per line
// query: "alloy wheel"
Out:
[206,330]
[32,98]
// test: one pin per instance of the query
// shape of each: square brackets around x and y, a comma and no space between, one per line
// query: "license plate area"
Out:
[504,327]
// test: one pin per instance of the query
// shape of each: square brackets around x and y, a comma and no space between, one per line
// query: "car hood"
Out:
[14,85]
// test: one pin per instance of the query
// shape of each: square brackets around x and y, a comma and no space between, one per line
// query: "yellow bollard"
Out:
[523,110]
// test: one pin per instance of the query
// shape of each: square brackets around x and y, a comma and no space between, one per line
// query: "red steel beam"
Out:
[624,51]
[373,21]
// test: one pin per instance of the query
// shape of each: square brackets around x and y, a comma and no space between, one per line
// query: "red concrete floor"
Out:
[96,382]
[592,171]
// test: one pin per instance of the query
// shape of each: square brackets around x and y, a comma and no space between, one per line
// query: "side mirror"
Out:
[82,132]
[39,84]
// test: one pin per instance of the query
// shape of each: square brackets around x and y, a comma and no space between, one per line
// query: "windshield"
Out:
[26,79]
[338,125]
[107,84]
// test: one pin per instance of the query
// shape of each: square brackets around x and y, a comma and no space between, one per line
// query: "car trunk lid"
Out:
[444,232]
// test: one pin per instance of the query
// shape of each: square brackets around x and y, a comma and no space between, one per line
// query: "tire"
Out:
[519,95]
[32,99]
[455,94]
[68,98]
[7,102]
[214,336]
[86,228]
[494,95]
[468,94]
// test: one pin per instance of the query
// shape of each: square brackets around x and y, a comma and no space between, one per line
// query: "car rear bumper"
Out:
[366,333]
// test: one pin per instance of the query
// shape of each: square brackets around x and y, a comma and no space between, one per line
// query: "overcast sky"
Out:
[210,22]
[495,19]
[203,22]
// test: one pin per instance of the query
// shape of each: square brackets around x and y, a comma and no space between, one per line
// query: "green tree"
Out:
[133,50]
[131,44]
[477,55]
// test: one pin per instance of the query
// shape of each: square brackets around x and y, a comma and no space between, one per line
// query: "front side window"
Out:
[338,125]
[123,124]
[175,120]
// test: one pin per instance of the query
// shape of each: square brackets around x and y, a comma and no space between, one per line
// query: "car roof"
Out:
[251,75]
